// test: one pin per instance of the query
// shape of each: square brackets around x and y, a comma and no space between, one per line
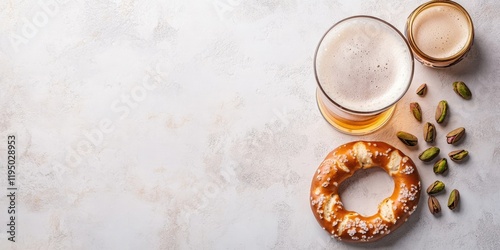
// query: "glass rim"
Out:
[419,52]
[357,112]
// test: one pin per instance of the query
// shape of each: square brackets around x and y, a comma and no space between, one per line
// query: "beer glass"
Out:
[440,33]
[363,67]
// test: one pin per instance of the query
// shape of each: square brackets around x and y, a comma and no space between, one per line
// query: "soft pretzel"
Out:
[341,164]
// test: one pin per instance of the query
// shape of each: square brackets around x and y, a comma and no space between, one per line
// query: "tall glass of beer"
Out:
[363,67]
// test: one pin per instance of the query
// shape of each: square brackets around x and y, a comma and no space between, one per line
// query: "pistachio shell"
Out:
[435,187]
[440,166]
[458,155]
[422,90]
[453,199]
[441,111]
[434,206]
[429,132]
[416,110]
[455,135]
[462,90]
[429,154]
[407,138]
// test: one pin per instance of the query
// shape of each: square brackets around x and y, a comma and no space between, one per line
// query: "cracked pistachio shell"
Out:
[462,90]
[422,90]
[453,199]
[455,135]
[429,132]
[434,206]
[429,154]
[416,111]
[441,111]
[435,187]
[458,155]
[440,166]
[407,138]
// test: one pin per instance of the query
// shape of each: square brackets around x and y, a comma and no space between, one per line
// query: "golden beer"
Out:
[363,66]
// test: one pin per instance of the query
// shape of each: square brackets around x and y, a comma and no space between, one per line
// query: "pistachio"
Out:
[434,206]
[435,187]
[429,154]
[441,111]
[453,199]
[440,166]
[416,110]
[462,90]
[458,155]
[429,132]
[455,135]
[422,90]
[407,138]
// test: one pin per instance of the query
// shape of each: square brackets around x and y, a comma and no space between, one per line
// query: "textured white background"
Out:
[193,125]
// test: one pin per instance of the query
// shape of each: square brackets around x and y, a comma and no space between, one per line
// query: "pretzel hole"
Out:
[365,189]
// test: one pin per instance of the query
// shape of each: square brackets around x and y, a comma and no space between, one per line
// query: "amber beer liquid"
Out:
[363,66]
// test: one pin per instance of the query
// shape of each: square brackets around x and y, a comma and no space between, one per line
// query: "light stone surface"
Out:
[193,125]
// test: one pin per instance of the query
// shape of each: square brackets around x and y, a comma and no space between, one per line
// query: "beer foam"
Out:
[441,31]
[364,65]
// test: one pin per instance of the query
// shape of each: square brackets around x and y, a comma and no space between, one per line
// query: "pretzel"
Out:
[393,211]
